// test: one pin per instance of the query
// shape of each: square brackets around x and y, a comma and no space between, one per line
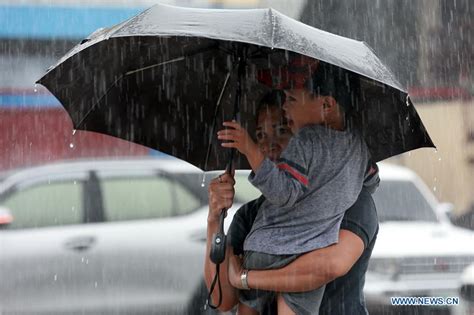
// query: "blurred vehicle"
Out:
[128,237]
[465,220]
[466,291]
[103,237]
[418,251]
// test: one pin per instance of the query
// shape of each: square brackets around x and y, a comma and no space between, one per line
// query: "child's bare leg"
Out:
[245,310]
[283,308]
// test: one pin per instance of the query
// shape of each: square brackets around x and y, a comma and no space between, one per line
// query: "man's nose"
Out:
[264,146]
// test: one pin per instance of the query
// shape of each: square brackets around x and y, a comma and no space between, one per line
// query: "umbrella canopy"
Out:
[165,77]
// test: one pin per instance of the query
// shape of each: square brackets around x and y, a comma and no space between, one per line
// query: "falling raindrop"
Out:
[74,132]
[55,277]
[434,188]
[82,259]
[95,284]
[36,88]
[71,145]
[203,183]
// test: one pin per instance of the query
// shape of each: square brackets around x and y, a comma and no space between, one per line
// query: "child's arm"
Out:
[282,183]
[242,142]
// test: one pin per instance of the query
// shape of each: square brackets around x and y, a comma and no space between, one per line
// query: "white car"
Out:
[466,292]
[418,251]
[103,237]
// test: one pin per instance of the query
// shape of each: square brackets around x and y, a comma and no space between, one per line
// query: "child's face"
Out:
[302,109]
[273,132]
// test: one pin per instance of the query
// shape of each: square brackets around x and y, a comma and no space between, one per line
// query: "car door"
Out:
[152,262]
[48,261]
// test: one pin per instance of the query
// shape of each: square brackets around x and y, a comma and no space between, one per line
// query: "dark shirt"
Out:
[345,294]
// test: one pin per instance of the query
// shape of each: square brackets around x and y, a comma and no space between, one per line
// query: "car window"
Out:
[244,190]
[402,201]
[139,198]
[46,204]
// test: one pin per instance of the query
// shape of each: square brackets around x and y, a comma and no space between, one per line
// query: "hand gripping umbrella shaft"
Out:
[219,239]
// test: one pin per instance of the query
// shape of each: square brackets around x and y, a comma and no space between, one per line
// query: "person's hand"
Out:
[234,271]
[221,195]
[238,137]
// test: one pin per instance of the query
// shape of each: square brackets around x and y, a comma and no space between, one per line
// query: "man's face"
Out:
[272,133]
[302,108]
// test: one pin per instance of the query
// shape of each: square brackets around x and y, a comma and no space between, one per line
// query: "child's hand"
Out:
[242,142]
[239,137]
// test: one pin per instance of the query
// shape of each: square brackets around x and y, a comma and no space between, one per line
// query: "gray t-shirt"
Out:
[318,177]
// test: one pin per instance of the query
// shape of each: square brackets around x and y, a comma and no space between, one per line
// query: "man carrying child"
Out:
[317,178]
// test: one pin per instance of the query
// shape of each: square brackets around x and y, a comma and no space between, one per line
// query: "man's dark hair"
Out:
[274,98]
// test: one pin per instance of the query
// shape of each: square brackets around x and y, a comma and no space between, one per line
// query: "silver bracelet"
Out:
[243,279]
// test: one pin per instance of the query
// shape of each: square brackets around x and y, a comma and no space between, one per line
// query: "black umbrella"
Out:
[169,76]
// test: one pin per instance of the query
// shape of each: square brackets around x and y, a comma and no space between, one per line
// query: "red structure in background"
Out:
[32,135]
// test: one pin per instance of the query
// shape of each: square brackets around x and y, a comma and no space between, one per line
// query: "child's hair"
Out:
[329,80]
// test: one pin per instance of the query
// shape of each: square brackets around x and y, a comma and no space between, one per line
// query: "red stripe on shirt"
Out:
[302,179]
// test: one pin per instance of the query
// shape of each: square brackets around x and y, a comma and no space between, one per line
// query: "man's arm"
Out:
[221,195]
[310,271]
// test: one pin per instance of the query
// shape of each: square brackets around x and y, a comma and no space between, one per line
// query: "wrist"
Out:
[256,161]
[212,219]
[244,279]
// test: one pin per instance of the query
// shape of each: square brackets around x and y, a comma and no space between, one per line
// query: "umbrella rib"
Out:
[222,92]
[120,78]
[138,70]
[214,120]
[155,65]
[98,101]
